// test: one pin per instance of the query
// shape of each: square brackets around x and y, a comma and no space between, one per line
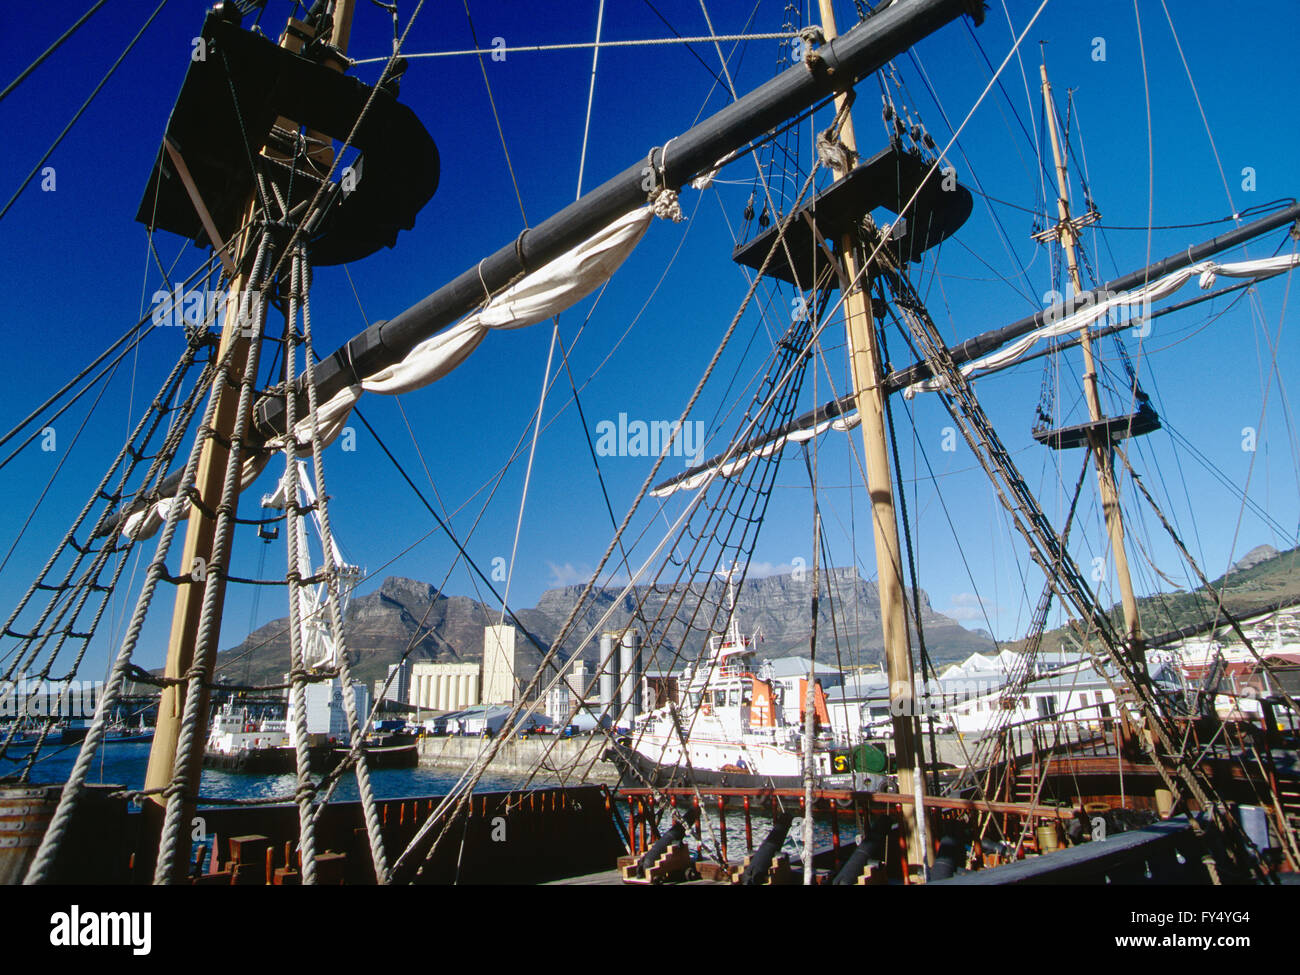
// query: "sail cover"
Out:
[533,298]
[812,425]
[1139,298]
[145,520]
[732,466]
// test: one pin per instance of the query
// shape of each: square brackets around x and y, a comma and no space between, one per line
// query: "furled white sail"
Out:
[732,467]
[145,522]
[533,298]
[1205,272]
[331,419]
[1141,298]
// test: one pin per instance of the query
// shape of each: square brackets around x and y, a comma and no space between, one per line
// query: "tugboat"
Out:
[243,742]
[730,730]
[255,745]
[263,744]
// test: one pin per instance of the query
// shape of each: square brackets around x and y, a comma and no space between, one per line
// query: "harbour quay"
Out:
[578,756]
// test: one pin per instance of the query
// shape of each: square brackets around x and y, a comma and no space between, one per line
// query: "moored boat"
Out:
[730,729]
[729,726]
[262,745]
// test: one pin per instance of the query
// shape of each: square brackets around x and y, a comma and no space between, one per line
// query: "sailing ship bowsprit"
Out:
[275,161]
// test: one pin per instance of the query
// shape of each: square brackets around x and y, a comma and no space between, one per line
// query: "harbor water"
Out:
[125,765]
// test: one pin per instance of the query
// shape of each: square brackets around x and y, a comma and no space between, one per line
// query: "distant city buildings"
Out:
[564,697]
[967,696]
[396,686]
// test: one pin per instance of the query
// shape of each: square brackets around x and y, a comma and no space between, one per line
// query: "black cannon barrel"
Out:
[951,856]
[762,859]
[870,849]
[672,835]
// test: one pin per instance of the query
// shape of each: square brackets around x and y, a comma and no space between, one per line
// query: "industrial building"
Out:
[444,687]
[395,686]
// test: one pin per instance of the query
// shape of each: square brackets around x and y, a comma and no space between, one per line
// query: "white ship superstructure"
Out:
[729,725]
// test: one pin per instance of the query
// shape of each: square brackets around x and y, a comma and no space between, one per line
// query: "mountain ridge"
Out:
[380,625]
[1258,582]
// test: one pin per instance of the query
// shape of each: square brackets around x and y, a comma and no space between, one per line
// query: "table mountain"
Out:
[381,625]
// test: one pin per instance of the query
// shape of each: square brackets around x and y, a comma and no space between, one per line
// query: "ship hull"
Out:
[636,769]
[284,760]
[265,761]
[389,756]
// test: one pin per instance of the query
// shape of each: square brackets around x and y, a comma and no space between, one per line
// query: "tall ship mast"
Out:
[278,161]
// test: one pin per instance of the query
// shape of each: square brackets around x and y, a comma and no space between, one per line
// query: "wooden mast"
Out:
[199,550]
[867,371]
[1098,438]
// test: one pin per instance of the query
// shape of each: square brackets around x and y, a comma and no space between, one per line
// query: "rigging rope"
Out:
[51,49]
[81,111]
[355,730]
[22,424]
[144,431]
[528,470]
[1058,565]
[589,45]
[458,799]
[428,825]
[74,787]
[295,548]
[591,95]
[184,771]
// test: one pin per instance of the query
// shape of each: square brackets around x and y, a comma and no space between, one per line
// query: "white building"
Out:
[861,700]
[562,699]
[971,697]
[326,714]
[444,687]
[398,680]
[476,720]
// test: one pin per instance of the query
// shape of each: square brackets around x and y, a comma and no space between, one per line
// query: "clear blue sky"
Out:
[77,273]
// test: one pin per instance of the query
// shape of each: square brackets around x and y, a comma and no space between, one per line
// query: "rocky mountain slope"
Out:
[382,624]
[1262,580]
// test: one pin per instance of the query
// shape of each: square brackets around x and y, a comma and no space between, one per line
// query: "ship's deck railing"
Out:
[1025,750]
[759,807]
[1083,729]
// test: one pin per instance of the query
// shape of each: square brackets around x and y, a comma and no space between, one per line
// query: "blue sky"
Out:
[77,273]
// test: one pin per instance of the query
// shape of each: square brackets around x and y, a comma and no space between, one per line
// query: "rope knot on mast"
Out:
[811,37]
[666,206]
[833,153]
[662,198]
